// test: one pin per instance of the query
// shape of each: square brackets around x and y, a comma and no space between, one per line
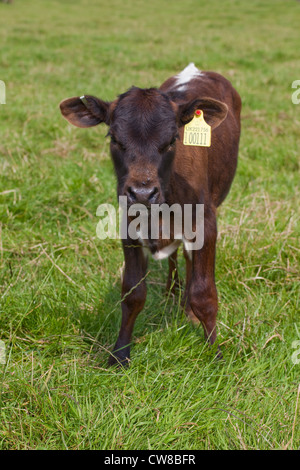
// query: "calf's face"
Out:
[143,127]
[143,133]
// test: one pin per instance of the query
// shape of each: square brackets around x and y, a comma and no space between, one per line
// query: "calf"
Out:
[153,166]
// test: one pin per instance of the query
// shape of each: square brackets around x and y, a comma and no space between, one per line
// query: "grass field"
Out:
[60,285]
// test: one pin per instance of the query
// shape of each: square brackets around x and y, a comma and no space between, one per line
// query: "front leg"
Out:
[203,293]
[133,299]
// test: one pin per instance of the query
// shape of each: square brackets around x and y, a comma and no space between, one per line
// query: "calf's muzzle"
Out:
[146,195]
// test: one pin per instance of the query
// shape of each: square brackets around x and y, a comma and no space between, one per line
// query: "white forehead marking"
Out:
[187,74]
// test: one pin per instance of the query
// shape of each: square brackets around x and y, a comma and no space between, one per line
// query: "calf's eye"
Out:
[115,142]
[170,145]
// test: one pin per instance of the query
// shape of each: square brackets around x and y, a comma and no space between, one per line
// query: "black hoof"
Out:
[219,355]
[120,358]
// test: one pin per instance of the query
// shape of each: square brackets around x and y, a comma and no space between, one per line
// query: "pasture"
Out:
[60,285]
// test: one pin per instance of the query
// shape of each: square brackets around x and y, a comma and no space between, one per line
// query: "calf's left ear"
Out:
[214,111]
[87,111]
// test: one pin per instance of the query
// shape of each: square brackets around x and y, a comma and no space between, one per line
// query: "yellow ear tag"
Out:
[197,132]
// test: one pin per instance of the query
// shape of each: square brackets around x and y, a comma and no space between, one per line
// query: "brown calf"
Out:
[153,166]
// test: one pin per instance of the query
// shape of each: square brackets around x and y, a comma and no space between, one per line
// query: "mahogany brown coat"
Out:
[153,167]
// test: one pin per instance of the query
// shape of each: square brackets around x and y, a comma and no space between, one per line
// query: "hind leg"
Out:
[186,301]
[173,280]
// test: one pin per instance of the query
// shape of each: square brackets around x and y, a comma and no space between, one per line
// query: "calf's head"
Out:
[143,127]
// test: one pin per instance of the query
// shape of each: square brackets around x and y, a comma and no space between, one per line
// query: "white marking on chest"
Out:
[187,74]
[167,250]
[188,248]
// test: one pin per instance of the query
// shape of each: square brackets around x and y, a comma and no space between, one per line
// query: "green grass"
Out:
[59,284]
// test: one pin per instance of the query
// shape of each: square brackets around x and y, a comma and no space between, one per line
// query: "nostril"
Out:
[131,193]
[153,194]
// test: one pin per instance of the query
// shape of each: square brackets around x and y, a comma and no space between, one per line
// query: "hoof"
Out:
[119,358]
[219,355]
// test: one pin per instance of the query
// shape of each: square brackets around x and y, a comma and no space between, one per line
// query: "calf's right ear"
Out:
[86,111]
